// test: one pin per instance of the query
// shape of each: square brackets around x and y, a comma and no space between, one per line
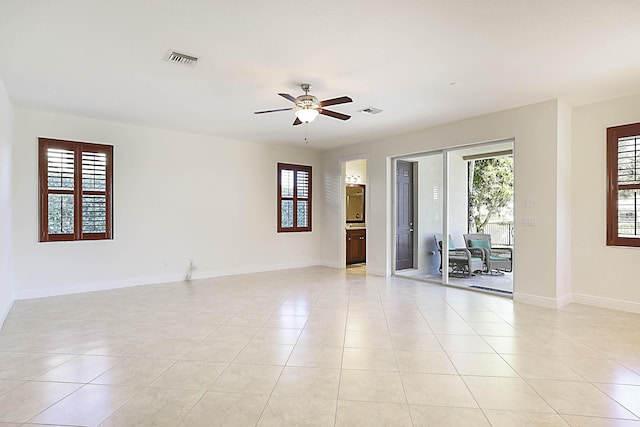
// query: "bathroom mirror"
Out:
[355,203]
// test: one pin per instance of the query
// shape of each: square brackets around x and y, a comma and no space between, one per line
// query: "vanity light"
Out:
[353,179]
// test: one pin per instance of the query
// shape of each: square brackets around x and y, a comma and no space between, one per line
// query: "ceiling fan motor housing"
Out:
[307,102]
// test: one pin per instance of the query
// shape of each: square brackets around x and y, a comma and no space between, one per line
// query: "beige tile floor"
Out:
[315,346]
[499,282]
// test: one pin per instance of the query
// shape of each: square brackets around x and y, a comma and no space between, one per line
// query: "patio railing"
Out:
[501,233]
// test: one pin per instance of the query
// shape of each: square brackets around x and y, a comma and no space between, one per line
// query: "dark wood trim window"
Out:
[623,185]
[294,198]
[75,190]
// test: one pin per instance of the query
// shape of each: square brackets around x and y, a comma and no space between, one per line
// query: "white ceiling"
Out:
[423,62]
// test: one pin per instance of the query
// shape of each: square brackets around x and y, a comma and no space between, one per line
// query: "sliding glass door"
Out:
[456,193]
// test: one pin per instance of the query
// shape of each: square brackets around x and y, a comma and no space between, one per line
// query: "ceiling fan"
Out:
[308,107]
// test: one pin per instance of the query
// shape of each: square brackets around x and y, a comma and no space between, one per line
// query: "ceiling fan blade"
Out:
[297,122]
[289,97]
[334,114]
[335,101]
[273,111]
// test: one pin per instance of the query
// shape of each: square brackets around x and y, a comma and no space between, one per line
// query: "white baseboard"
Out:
[615,304]
[103,286]
[565,300]
[4,312]
[595,301]
[331,264]
[381,272]
[94,286]
[547,302]
[541,301]
[249,270]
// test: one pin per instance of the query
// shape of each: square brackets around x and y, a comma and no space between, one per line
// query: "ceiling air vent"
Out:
[181,58]
[370,110]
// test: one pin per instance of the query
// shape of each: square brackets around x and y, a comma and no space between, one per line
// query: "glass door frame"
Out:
[445,152]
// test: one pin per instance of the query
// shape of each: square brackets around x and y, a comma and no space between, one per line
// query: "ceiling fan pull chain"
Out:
[306,132]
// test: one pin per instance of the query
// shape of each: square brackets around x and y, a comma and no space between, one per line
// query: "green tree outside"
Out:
[490,189]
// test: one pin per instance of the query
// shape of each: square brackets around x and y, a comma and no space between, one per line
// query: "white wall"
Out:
[430,211]
[177,197]
[564,166]
[6,274]
[534,129]
[602,275]
[357,168]
[458,202]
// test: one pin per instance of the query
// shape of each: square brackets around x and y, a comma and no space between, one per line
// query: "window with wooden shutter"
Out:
[75,190]
[294,198]
[623,185]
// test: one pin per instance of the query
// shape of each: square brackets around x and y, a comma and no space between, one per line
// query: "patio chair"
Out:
[461,261]
[497,258]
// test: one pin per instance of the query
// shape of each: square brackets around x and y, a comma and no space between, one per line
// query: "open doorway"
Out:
[467,195]
[355,181]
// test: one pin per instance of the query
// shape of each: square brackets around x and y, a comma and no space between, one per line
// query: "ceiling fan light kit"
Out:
[308,107]
[307,114]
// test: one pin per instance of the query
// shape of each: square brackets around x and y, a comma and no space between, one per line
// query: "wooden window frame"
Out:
[295,198]
[613,136]
[78,148]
